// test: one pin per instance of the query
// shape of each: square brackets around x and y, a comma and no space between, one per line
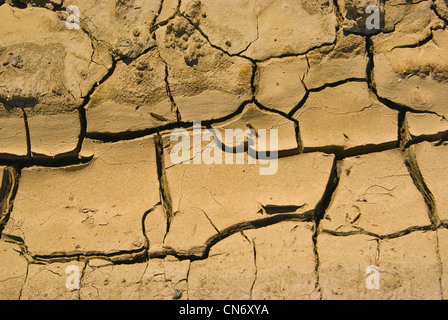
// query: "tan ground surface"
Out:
[92,205]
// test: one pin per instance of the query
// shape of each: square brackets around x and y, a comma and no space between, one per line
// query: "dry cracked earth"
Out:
[88,184]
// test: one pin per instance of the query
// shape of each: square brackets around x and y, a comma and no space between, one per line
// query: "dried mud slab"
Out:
[407,23]
[94,208]
[424,126]
[408,267]
[304,25]
[355,16]
[441,7]
[44,65]
[168,10]
[54,136]
[264,29]
[112,282]
[285,262]
[13,141]
[13,270]
[134,98]
[415,77]
[230,25]
[230,262]
[161,279]
[282,83]
[376,194]
[155,227]
[442,240]
[342,266]
[204,82]
[279,82]
[117,159]
[257,119]
[345,118]
[273,262]
[202,212]
[347,59]
[49,282]
[8,186]
[122,26]
[431,162]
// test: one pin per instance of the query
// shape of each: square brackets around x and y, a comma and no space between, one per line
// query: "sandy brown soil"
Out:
[93,205]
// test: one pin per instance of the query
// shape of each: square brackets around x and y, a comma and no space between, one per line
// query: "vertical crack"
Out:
[255,262]
[145,215]
[106,76]
[83,129]
[370,65]
[163,182]
[403,136]
[372,86]
[253,86]
[378,251]
[300,104]
[436,12]
[158,12]
[339,17]
[317,287]
[256,269]
[320,211]
[24,281]
[419,182]
[28,137]
[186,278]
[330,189]
[174,108]
[162,23]
[403,132]
[439,260]
[81,278]
[8,190]
[298,136]
[210,220]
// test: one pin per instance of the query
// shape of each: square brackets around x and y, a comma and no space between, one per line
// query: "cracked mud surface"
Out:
[87,180]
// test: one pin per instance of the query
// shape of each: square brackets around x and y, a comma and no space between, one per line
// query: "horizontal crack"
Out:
[276,209]
[341,152]
[380,236]
[131,135]
[202,252]
[117,257]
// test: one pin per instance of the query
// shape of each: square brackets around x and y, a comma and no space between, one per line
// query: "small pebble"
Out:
[177,294]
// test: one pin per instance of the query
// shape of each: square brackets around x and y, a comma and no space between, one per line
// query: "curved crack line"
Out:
[392,235]
[202,252]
[9,186]
[419,182]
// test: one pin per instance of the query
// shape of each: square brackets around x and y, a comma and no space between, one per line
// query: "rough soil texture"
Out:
[88,183]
